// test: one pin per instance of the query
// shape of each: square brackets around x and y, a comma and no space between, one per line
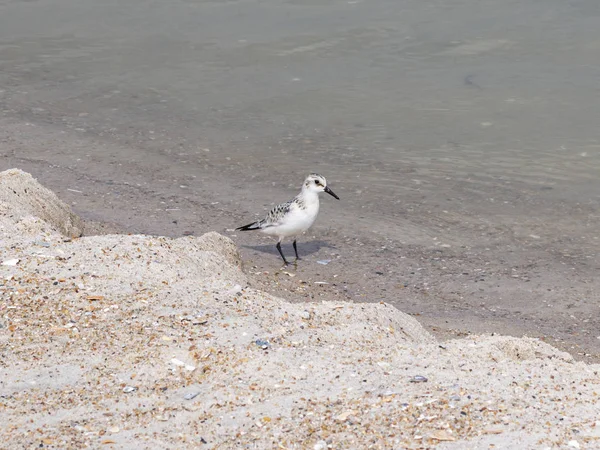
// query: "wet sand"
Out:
[462,139]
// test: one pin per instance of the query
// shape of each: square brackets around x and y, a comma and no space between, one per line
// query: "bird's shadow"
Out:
[304,248]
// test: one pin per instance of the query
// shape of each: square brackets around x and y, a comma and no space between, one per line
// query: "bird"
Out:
[294,217]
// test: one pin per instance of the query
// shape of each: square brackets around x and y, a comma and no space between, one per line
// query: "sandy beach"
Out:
[462,139]
[134,341]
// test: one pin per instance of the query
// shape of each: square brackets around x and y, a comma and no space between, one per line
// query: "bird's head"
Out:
[316,183]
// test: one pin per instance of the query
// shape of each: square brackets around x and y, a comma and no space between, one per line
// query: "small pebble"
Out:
[320,445]
[129,389]
[262,344]
[191,395]
[10,262]
[305,315]
[324,262]
[418,379]
[573,444]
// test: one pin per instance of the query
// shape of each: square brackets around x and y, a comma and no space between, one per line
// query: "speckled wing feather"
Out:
[276,214]
[272,219]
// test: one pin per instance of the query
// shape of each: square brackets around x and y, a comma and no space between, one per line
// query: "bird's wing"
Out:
[276,215]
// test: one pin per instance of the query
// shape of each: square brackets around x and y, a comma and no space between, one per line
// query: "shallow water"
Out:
[461,136]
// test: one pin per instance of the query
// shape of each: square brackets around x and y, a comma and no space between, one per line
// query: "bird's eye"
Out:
[317,182]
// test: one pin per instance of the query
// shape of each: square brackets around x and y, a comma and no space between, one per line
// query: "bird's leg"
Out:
[281,253]
[296,250]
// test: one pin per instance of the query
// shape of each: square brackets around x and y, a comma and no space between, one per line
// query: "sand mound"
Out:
[23,200]
[145,342]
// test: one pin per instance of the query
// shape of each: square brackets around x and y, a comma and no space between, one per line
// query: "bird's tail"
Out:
[249,227]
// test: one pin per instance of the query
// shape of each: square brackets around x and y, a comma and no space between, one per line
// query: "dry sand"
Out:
[132,341]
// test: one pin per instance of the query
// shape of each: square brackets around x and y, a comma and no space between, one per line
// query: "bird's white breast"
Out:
[299,218]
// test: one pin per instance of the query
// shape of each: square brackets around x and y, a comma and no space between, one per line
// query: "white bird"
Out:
[294,217]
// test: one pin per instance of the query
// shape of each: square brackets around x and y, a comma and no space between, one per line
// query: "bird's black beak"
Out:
[330,192]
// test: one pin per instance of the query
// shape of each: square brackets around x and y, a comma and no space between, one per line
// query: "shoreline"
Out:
[464,145]
[518,285]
